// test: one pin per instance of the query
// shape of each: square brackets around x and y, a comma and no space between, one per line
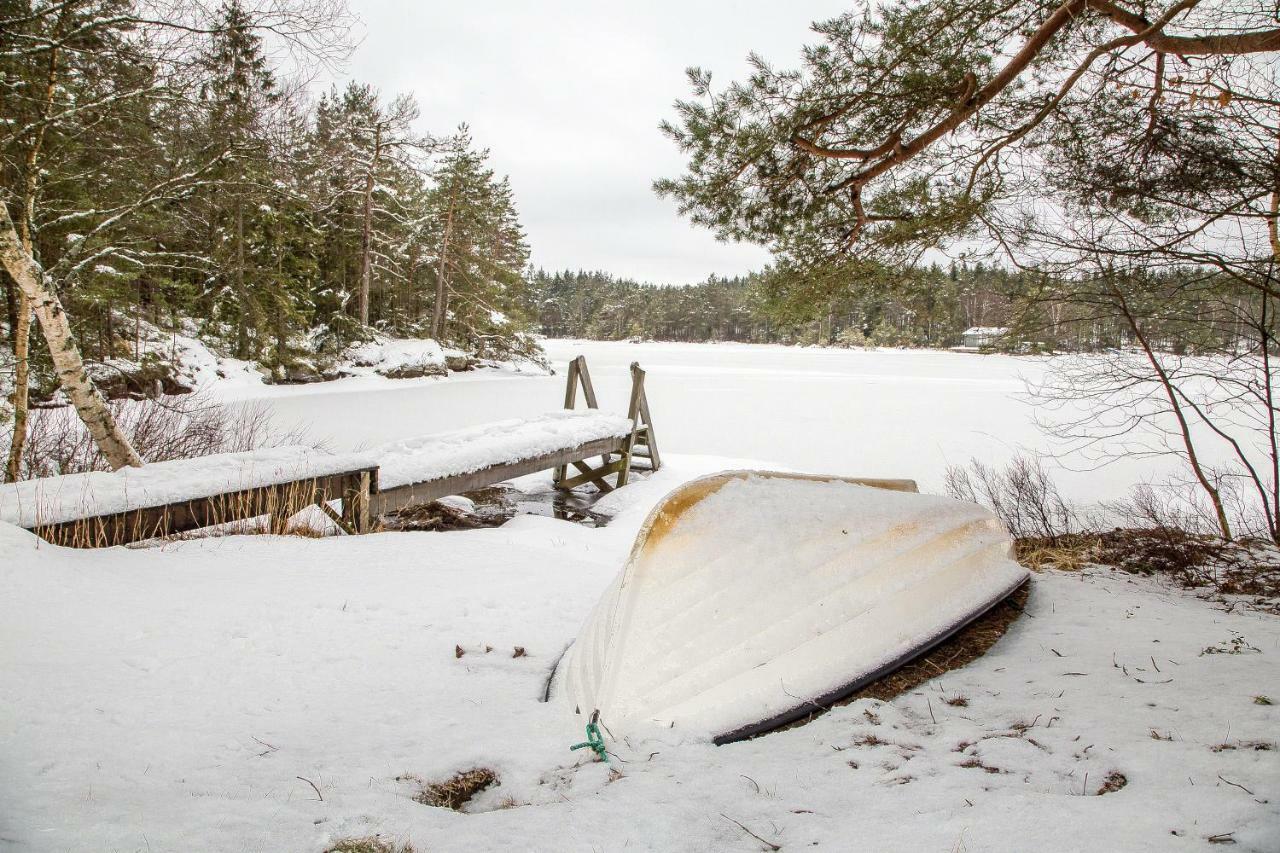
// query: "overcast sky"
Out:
[568,96]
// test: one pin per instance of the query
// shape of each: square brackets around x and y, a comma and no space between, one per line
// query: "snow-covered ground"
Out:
[383,364]
[186,697]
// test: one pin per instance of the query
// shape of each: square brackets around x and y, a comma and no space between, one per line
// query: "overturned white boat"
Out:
[751,599]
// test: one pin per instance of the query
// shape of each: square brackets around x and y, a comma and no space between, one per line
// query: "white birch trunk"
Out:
[67,362]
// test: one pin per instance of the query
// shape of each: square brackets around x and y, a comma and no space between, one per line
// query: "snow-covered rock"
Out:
[155,362]
[399,358]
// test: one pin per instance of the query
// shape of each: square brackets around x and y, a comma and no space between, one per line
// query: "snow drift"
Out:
[752,598]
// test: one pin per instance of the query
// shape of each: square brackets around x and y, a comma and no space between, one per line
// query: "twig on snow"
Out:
[769,844]
[1236,785]
[313,786]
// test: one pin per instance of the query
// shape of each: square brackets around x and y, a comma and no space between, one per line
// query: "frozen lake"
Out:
[882,413]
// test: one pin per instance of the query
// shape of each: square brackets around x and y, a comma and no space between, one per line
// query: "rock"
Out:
[300,372]
[414,369]
[120,380]
[459,362]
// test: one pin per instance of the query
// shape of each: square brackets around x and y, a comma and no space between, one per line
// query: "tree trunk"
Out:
[366,229]
[21,363]
[67,363]
[1184,428]
[20,329]
[250,313]
[442,285]
[11,307]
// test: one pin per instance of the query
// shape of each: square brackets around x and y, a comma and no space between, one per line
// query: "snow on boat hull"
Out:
[751,598]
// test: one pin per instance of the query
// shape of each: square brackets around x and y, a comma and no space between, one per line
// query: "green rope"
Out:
[594,741]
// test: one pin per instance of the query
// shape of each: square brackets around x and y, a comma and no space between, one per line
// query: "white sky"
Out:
[568,95]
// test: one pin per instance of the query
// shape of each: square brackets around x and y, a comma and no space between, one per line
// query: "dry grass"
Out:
[163,429]
[1194,561]
[277,504]
[1245,745]
[1114,782]
[370,844]
[160,429]
[456,791]
[975,763]
[1068,553]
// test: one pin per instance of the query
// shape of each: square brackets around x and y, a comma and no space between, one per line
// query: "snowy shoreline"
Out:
[170,697]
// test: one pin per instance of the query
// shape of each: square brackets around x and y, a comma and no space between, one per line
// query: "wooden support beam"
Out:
[641,426]
[598,479]
[593,475]
[578,373]
[588,390]
[355,500]
[386,500]
[342,523]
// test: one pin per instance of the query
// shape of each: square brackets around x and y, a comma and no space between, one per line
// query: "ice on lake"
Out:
[875,413]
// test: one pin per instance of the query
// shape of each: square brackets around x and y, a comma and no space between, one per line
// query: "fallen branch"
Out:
[1236,785]
[313,786]
[769,844]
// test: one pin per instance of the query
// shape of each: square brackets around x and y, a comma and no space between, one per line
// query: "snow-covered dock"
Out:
[56,500]
[418,470]
[112,508]
[103,508]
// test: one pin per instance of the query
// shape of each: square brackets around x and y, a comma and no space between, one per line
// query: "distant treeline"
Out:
[917,307]
[933,311]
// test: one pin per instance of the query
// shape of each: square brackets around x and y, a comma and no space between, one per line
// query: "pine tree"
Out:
[239,92]
[478,247]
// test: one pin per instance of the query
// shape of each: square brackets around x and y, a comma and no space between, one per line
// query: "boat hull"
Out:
[751,599]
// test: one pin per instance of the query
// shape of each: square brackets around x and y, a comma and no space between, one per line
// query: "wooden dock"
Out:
[278,501]
[361,495]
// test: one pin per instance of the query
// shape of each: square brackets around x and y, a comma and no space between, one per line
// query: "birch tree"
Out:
[89,404]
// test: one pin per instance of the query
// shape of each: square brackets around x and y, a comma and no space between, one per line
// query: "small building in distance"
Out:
[979,338]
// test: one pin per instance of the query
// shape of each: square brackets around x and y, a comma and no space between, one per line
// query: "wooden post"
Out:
[642,421]
[577,373]
[355,501]
[633,412]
